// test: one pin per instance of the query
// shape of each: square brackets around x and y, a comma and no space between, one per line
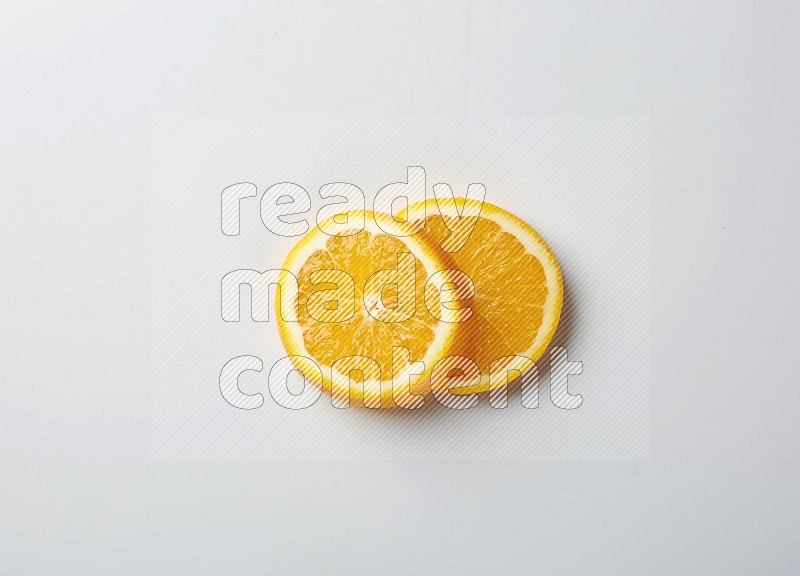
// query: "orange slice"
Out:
[364,320]
[518,289]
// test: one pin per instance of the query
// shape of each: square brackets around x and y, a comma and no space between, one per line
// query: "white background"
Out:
[79,84]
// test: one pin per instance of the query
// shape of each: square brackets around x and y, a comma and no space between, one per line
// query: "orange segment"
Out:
[518,286]
[359,297]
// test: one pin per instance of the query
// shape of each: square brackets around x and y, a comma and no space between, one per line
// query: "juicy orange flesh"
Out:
[510,291]
[359,334]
